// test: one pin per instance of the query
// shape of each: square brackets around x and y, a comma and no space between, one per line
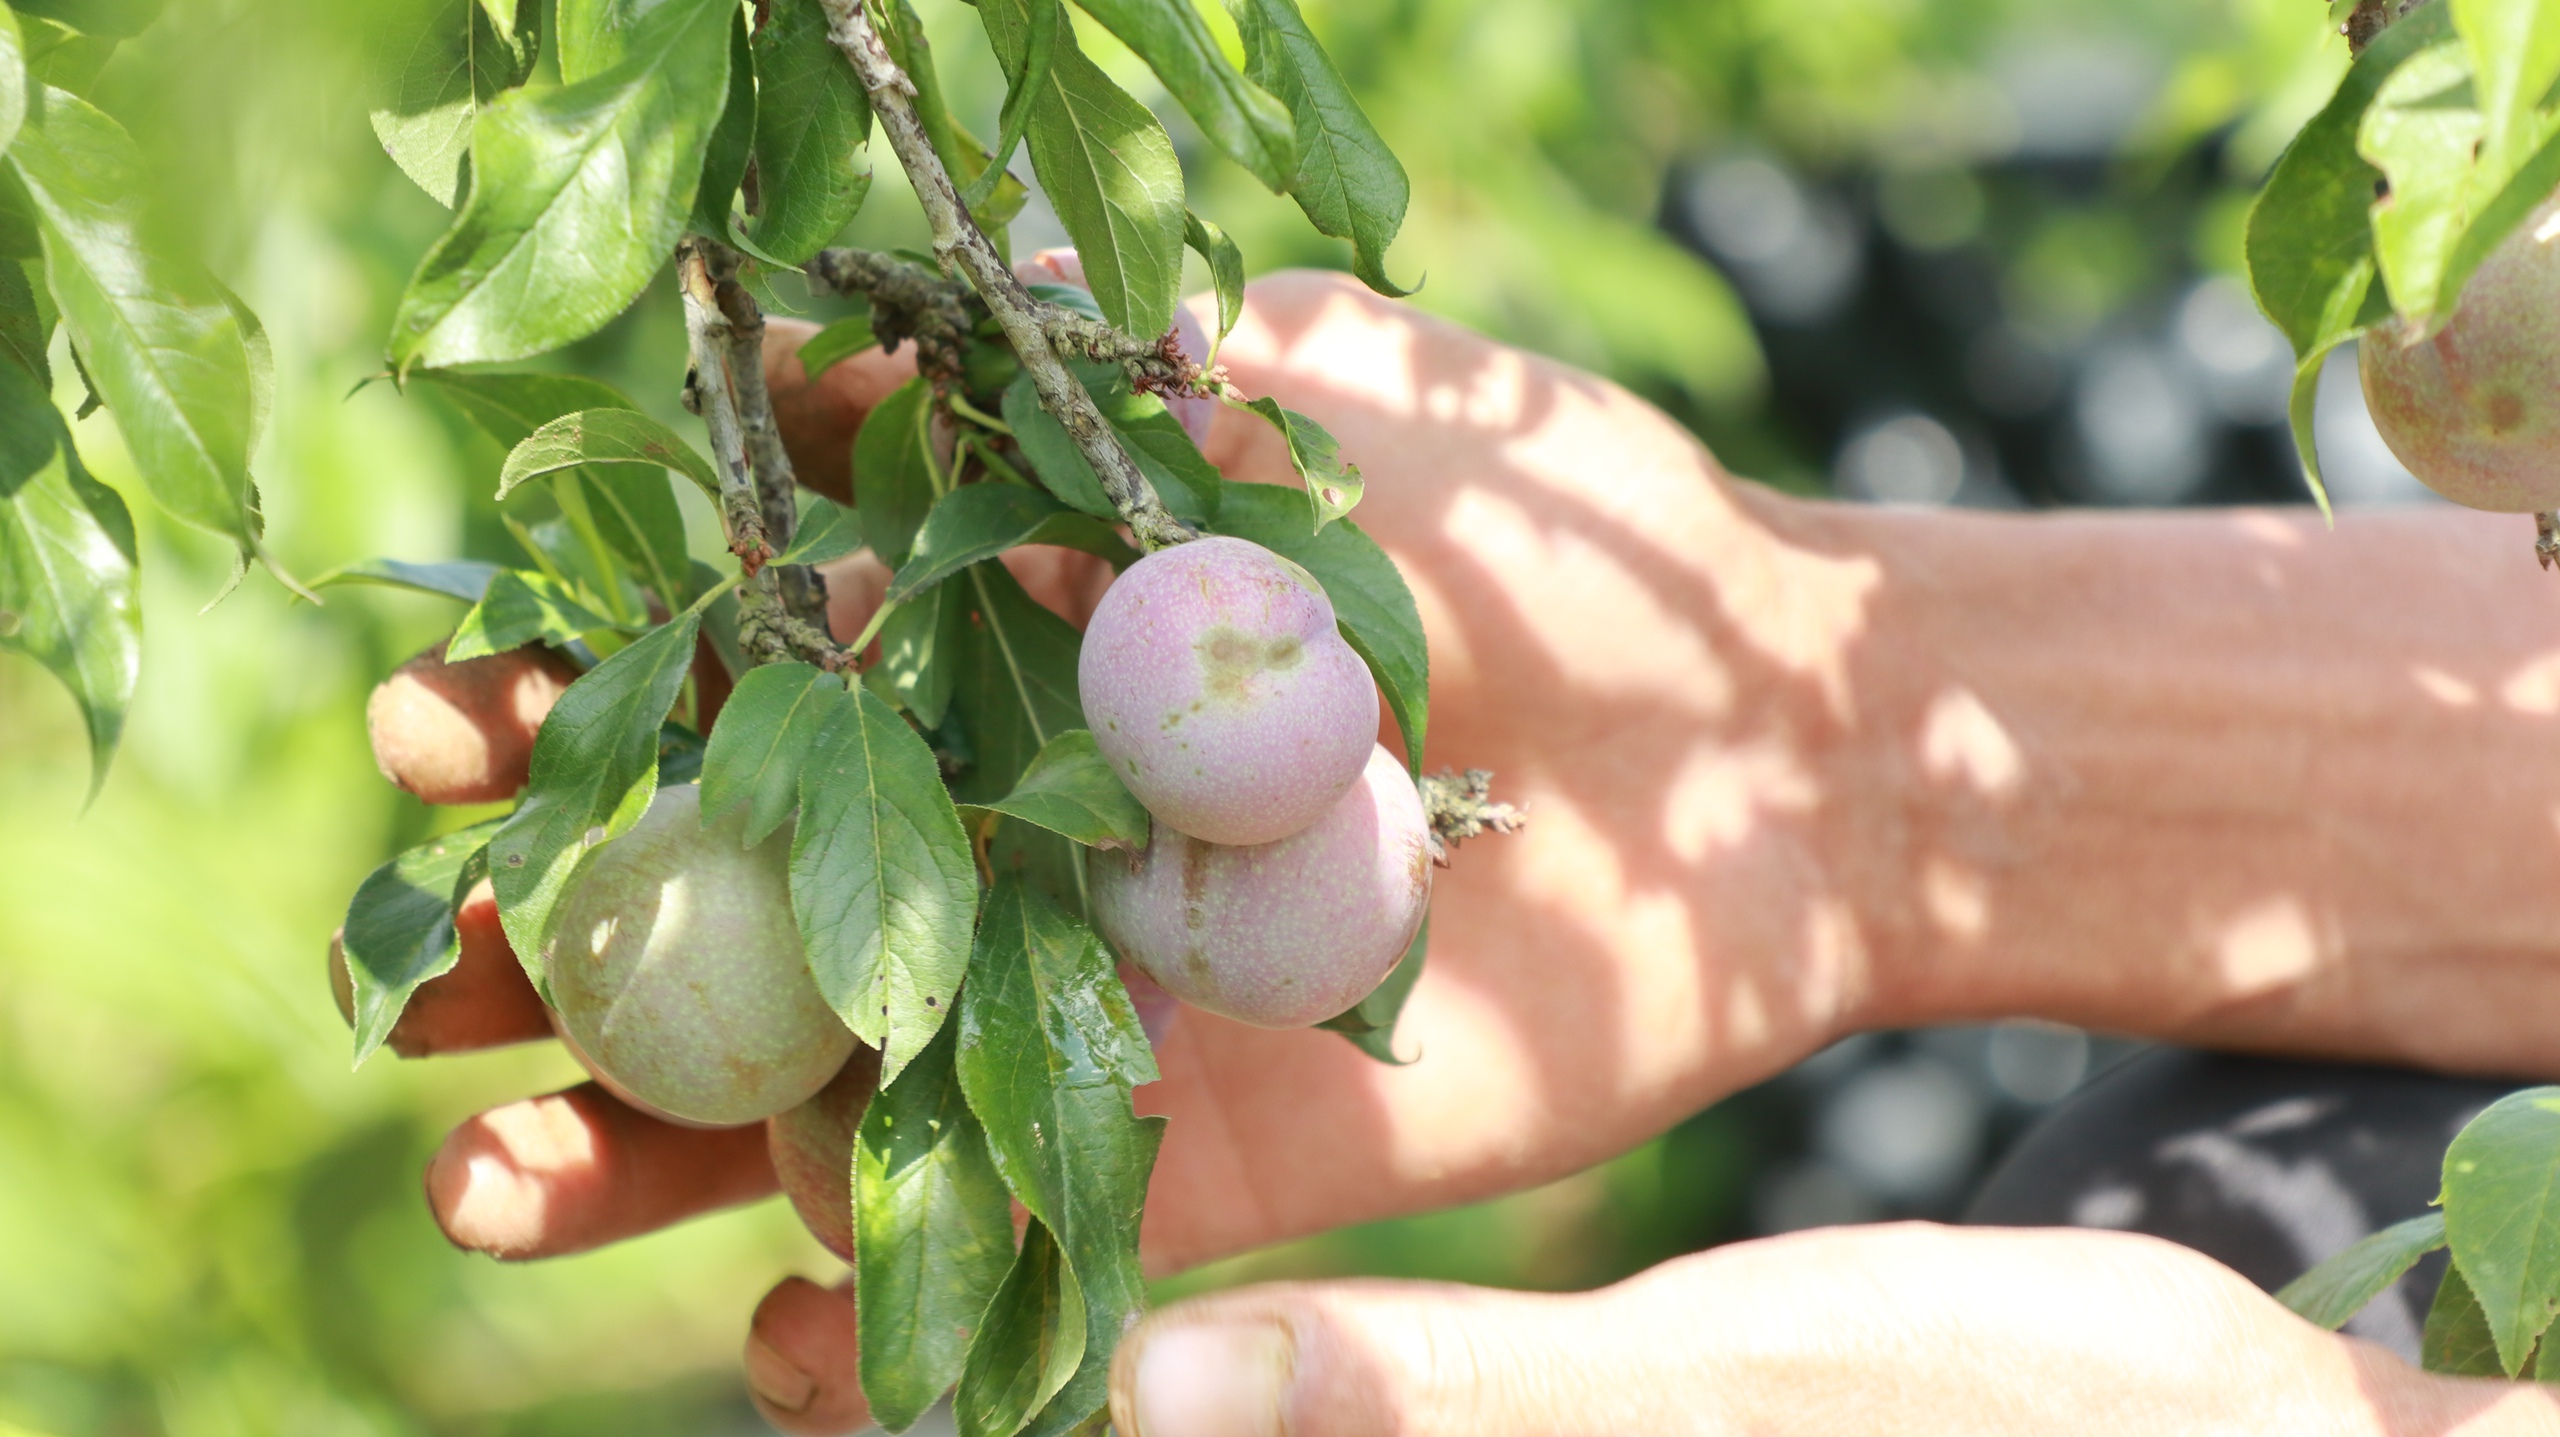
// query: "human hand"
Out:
[1909,1329]
[1618,633]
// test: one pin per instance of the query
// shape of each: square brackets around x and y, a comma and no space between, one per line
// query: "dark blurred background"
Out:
[1976,252]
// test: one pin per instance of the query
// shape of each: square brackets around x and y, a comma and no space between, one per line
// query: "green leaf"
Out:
[980,521]
[634,510]
[578,193]
[1026,75]
[1370,1024]
[812,123]
[1242,119]
[2456,1340]
[26,327]
[519,608]
[961,152]
[61,56]
[840,340]
[881,878]
[2502,1216]
[732,143]
[2339,1288]
[1226,275]
[605,436]
[763,737]
[1187,483]
[1370,601]
[70,597]
[1333,487]
[1348,181]
[893,471]
[13,77]
[1013,689]
[2514,50]
[399,929]
[1070,790]
[2421,132]
[1050,1048]
[1029,1343]
[510,407]
[595,768]
[461,55]
[122,19]
[919,647]
[933,1236]
[827,531]
[1109,171]
[159,339]
[464,579]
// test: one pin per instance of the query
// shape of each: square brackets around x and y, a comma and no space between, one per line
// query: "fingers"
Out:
[802,1365]
[577,1170]
[1368,1359]
[818,420]
[463,732]
[484,1002]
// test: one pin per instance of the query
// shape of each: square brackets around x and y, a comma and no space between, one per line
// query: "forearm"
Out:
[2227,777]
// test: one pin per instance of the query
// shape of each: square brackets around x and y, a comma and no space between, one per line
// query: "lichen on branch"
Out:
[962,246]
[1460,806]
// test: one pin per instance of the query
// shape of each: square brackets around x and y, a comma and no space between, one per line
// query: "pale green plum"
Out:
[812,1148]
[678,972]
[1283,934]
[2475,410]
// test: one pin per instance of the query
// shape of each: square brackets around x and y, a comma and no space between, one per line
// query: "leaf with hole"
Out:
[1333,486]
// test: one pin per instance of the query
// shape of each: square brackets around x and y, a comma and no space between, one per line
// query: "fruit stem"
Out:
[959,244]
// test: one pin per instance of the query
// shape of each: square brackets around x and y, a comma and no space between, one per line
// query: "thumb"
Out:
[1390,1359]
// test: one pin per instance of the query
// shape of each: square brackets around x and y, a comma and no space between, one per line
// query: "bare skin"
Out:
[1795,770]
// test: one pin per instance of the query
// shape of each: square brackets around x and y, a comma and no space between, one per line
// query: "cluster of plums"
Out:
[1288,869]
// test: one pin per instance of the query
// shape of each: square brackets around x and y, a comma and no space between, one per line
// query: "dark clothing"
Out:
[2266,1165]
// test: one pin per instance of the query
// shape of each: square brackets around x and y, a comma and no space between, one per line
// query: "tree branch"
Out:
[804,594]
[767,629]
[961,245]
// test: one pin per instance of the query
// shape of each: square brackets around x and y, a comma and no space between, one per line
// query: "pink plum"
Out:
[1220,691]
[812,1148]
[1279,935]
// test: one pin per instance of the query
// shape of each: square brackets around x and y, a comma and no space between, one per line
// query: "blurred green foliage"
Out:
[208,1226]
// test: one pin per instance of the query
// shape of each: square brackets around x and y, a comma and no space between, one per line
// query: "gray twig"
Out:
[959,243]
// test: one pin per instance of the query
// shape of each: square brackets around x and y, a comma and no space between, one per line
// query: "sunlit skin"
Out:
[1794,770]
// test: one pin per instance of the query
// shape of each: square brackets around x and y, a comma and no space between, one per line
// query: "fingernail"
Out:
[1213,1380]
[777,1379]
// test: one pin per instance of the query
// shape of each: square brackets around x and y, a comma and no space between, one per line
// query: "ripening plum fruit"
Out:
[2475,411]
[678,972]
[812,1148]
[1217,685]
[463,733]
[1279,935]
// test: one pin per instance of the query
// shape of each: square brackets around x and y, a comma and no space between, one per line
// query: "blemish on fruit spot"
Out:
[1230,659]
[2506,411]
